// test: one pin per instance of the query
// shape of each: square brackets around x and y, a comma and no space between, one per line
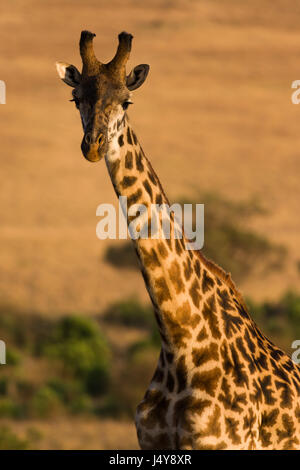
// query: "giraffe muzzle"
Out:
[94,149]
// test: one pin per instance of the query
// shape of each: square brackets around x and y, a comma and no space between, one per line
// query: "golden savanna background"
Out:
[216,120]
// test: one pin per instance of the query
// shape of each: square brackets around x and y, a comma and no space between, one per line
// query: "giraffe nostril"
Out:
[90,140]
[87,138]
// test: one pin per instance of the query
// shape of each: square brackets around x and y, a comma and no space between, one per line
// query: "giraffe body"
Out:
[219,382]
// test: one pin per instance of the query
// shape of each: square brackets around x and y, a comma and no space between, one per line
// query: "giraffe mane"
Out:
[223,275]
[211,265]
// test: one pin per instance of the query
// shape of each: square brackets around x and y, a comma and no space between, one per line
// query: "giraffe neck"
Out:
[179,282]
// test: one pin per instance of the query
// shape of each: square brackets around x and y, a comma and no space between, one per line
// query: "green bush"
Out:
[25,389]
[97,380]
[72,395]
[122,255]
[82,349]
[8,320]
[130,313]
[152,342]
[280,318]
[288,307]
[9,408]
[45,402]
[111,406]
[138,370]
[291,302]
[25,330]
[3,386]
[81,404]
[230,242]
[66,391]
[13,358]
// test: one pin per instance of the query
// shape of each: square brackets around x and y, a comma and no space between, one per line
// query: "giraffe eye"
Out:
[126,104]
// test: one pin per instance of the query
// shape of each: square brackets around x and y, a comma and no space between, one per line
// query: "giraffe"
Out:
[219,382]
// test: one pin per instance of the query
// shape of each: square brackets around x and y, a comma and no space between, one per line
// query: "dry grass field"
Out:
[214,115]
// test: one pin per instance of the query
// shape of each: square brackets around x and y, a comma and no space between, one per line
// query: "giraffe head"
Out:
[101,92]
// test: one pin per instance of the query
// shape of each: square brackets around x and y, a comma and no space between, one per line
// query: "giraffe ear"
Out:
[68,73]
[137,76]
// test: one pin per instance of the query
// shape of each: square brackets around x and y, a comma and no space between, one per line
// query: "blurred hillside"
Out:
[214,115]
[216,120]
